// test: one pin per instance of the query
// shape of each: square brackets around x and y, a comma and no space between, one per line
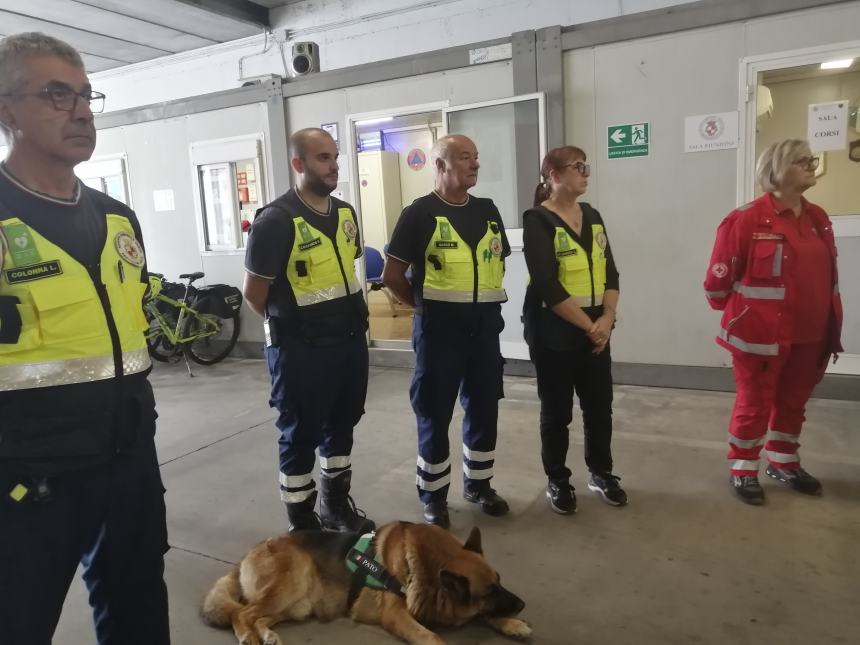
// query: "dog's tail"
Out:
[223,601]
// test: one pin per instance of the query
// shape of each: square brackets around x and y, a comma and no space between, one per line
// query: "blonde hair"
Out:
[775,161]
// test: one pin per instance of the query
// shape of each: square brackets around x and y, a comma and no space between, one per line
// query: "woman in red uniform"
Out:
[773,274]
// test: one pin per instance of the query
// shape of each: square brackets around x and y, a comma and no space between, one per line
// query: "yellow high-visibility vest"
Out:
[319,270]
[66,313]
[454,272]
[584,285]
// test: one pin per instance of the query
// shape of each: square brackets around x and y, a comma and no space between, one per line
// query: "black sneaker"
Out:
[748,489]
[796,478]
[436,512]
[490,502]
[561,497]
[606,485]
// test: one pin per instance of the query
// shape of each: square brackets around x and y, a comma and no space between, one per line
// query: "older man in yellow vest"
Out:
[456,245]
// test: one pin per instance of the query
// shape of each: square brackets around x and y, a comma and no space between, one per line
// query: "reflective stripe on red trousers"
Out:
[772,394]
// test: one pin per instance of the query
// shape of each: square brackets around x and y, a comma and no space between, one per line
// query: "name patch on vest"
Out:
[567,252]
[34,272]
[304,246]
[443,244]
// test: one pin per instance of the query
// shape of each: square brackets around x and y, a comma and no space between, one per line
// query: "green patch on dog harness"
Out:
[361,559]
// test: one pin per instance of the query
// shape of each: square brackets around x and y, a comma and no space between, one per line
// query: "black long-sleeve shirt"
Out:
[539,249]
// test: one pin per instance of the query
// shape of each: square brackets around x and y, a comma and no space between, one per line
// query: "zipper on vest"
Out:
[342,271]
[101,290]
[474,275]
[591,269]
[345,282]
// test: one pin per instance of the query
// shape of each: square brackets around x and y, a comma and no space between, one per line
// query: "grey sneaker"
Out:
[747,488]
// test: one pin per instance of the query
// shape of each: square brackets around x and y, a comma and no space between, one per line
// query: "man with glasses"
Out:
[79,477]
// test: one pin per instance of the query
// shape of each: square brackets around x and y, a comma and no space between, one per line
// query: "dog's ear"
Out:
[473,543]
[456,585]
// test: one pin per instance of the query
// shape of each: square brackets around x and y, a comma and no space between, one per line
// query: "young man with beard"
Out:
[300,276]
[79,478]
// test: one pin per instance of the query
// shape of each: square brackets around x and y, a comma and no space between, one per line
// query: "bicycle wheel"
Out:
[211,348]
[159,347]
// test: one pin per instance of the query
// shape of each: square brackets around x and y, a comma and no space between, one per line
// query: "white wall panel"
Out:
[662,211]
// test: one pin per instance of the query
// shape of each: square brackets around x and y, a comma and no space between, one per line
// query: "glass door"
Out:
[511,138]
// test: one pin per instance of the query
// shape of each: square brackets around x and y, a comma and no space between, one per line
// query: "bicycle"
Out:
[206,330]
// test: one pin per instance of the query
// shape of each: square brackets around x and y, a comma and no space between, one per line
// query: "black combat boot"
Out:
[338,511]
[302,516]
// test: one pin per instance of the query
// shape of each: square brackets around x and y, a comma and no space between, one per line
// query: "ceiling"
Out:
[112,33]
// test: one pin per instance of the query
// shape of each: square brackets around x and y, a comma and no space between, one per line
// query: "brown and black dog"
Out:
[304,575]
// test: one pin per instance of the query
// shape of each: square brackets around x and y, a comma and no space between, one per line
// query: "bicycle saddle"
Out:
[192,276]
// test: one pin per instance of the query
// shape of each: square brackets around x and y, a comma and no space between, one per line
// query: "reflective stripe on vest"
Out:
[761,349]
[319,271]
[451,266]
[573,266]
[77,370]
[65,335]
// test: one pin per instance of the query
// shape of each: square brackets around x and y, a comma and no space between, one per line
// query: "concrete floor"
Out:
[683,563]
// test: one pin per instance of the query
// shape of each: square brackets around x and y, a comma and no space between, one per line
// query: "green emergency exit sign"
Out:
[628,140]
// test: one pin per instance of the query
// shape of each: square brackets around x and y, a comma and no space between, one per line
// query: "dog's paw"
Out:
[516,628]
[511,627]
[271,638]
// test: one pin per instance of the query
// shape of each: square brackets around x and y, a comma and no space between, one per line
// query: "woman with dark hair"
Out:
[569,314]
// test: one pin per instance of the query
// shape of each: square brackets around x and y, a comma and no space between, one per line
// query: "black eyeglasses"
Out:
[582,168]
[808,163]
[66,99]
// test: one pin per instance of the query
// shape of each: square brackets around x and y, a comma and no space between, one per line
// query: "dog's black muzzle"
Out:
[503,603]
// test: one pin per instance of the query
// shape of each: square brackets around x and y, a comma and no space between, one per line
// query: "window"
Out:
[108,176]
[230,190]
[511,138]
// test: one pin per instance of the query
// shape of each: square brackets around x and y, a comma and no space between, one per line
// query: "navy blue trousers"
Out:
[451,361]
[110,519]
[319,392]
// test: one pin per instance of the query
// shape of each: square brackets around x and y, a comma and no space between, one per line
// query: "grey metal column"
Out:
[526,166]
[550,81]
[523,62]
[277,120]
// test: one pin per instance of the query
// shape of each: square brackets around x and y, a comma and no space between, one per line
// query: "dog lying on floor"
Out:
[405,577]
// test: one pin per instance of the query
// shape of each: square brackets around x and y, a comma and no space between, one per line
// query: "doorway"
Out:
[390,156]
[784,90]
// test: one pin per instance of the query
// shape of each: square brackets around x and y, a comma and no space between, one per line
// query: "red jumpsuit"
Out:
[774,277]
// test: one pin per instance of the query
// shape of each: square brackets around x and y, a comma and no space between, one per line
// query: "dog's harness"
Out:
[367,571]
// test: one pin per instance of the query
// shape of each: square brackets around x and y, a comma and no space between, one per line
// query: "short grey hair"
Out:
[775,161]
[17,48]
[440,148]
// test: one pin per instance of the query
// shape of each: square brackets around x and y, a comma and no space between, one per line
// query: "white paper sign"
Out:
[827,126]
[163,200]
[707,132]
[489,54]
